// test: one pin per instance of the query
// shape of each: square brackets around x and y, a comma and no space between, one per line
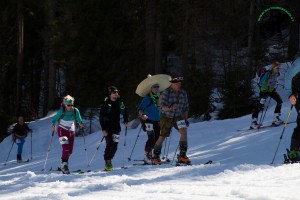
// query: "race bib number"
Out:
[149,126]
[18,141]
[181,124]
[63,140]
[116,137]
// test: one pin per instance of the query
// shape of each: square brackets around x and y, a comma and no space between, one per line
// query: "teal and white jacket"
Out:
[66,119]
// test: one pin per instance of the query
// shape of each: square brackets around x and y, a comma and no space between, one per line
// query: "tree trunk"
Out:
[150,36]
[19,56]
[250,37]
[158,50]
[294,40]
[49,72]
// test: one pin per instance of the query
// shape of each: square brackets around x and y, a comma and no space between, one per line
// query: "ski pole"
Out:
[9,152]
[124,149]
[175,154]
[49,147]
[262,117]
[165,157]
[137,137]
[31,145]
[173,120]
[85,149]
[286,121]
[96,152]
[165,146]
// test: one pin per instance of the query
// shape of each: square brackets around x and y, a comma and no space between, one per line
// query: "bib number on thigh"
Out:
[18,141]
[181,124]
[149,126]
[116,137]
[63,140]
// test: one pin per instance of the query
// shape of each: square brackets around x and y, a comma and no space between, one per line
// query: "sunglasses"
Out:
[177,80]
[70,105]
[114,92]
[156,86]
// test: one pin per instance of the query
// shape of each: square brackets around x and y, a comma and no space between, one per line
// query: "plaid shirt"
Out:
[169,97]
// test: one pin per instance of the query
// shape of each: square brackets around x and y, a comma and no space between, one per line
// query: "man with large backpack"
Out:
[267,85]
[110,112]
[67,117]
[292,87]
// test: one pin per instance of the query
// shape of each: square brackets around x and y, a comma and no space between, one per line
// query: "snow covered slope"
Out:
[240,170]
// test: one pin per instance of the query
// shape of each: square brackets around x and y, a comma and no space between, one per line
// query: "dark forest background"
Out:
[52,48]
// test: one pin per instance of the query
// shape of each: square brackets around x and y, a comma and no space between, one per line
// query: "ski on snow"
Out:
[262,127]
[176,163]
[16,162]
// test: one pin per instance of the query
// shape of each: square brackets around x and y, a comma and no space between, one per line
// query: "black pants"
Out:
[152,135]
[111,142]
[295,140]
[111,147]
[264,95]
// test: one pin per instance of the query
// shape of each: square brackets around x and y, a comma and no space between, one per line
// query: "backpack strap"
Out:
[64,113]
[121,105]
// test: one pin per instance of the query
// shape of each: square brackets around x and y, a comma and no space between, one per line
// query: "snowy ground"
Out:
[241,167]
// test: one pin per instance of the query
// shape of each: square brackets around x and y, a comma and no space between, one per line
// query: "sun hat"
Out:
[144,88]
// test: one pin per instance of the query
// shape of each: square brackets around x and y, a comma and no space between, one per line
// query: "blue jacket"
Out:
[150,108]
[289,76]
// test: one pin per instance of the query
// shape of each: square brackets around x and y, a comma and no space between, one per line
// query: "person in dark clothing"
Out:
[19,133]
[110,112]
[292,87]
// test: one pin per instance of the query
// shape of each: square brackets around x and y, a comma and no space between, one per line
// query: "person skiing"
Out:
[67,117]
[109,118]
[19,133]
[267,85]
[292,87]
[149,112]
[175,107]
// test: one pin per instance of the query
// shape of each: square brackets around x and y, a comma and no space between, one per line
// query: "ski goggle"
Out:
[156,86]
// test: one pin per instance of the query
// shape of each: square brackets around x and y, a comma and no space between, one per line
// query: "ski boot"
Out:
[277,121]
[64,168]
[294,156]
[108,166]
[183,159]
[19,158]
[254,124]
[156,160]
[148,158]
